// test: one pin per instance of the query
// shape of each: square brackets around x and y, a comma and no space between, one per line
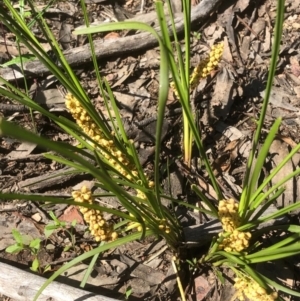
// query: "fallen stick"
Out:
[22,286]
[114,47]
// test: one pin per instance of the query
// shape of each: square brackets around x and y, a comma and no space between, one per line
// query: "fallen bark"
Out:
[22,286]
[115,47]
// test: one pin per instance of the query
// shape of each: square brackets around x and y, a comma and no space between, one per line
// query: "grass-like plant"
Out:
[109,156]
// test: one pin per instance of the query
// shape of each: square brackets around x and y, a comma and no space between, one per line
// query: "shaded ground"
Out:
[228,103]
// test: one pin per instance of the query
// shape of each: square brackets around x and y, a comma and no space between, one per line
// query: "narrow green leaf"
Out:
[89,270]
[277,251]
[203,198]
[246,193]
[280,287]
[254,198]
[261,158]
[244,266]
[25,58]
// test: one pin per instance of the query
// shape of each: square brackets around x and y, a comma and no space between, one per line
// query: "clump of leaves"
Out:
[26,242]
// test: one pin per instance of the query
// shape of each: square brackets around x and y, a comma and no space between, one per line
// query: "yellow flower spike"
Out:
[247,287]
[89,127]
[203,69]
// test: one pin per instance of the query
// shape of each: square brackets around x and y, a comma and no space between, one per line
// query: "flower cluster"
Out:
[236,242]
[247,287]
[113,155]
[207,65]
[230,219]
[204,68]
[228,214]
[99,227]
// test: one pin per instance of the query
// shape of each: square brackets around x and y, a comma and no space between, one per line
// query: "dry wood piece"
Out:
[115,47]
[45,181]
[22,286]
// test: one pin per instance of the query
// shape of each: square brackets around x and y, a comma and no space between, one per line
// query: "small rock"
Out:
[36,217]
[202,288]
